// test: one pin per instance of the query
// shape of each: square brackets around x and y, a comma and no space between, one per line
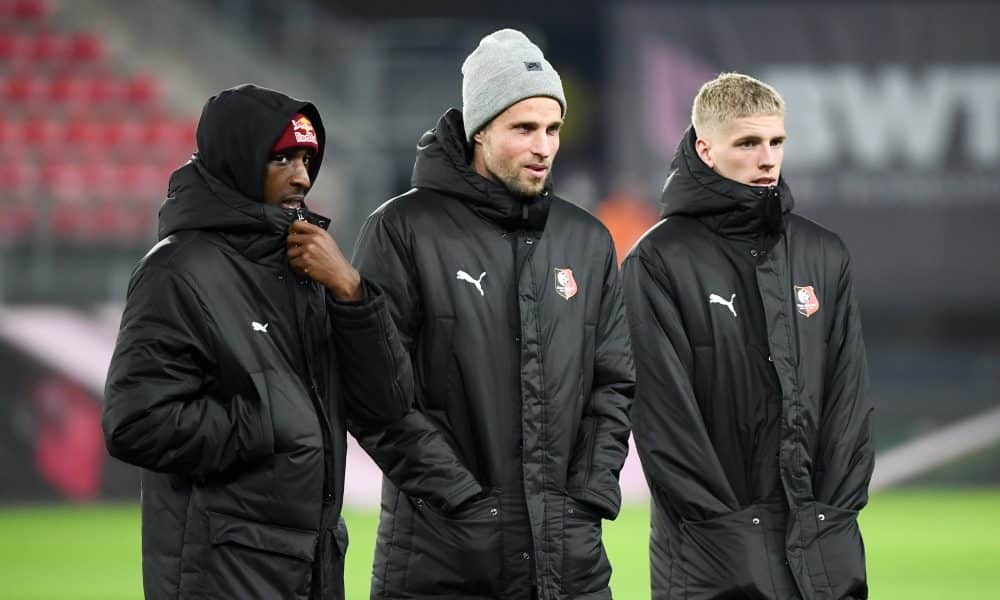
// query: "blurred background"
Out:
[894,143]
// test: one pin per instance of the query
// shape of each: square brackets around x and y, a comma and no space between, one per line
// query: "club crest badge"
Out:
[805,300]
[565,283]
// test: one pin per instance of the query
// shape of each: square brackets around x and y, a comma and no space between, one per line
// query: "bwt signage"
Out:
[877,111]
[890,116]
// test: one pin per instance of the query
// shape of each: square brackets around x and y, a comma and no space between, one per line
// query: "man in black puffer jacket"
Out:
[752,418]
[247,340]
[508,299]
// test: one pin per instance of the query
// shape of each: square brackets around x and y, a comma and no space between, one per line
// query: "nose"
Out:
[768,157]
[300,175]
[542,144]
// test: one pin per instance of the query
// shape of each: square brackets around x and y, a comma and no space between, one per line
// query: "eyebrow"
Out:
[757,138]
[536,124]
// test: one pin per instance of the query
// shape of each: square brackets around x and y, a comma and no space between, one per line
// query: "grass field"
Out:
[933,545]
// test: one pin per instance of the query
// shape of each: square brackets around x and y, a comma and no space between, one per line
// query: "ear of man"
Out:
[703,148]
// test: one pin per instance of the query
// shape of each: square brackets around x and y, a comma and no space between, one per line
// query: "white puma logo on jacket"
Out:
[463,276]
[717,299]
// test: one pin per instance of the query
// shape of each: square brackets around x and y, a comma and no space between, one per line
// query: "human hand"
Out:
[314,253]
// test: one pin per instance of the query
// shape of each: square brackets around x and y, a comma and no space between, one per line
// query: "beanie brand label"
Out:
[533,66]
[303,130]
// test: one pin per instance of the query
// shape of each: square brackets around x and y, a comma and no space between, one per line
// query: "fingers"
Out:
[304,227]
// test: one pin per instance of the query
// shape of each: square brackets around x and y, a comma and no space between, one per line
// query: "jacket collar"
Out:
[197,200]
[728,207]
[443,164]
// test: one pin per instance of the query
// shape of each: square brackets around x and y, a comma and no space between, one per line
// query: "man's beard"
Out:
[518,188]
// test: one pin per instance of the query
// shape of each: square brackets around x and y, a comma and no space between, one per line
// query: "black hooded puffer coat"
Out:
[512,311]
[752,418]
[232,378]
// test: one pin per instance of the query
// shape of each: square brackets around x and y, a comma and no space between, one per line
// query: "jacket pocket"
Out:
[585,568]
[249,559]
[725,557]
[456,553]
[843,551]
[293,418]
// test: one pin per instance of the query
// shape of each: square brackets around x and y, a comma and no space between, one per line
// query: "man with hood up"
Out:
[752,418]
[508,299]
[246,342]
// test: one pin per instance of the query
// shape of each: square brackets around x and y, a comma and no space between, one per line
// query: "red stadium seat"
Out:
[65,182]
[68,88]
[47,47]
[141,90]
[83,132]
[19,179]
[25,88]
[10,46]
[142,182]
[31,9]
[66,218]
[106,90]
[121,135]
[85,47]
[88,147]
[9,132]
[40,133]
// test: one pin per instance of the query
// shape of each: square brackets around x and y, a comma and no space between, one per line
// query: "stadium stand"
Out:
[86,148]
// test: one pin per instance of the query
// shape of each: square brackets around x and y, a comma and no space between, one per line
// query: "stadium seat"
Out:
[46,47]
[141,90]
[25,88]
[85,48]
[82,144]
[28,10]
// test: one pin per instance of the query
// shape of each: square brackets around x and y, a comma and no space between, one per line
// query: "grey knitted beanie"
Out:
[504,69]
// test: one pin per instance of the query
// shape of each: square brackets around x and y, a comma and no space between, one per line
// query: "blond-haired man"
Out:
[751,415]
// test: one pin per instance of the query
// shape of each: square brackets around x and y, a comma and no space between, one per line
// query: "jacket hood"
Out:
[238,128]
[693,189]
[444,164]
[221,188]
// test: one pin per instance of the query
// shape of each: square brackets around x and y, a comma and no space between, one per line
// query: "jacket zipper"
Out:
[325,428]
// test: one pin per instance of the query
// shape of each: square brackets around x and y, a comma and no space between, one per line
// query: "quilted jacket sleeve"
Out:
[375,369]
[846,452]
[411,451]
[158,413]
[674,447]
[607,412]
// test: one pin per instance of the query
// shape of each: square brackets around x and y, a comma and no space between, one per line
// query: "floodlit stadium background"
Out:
[894,142]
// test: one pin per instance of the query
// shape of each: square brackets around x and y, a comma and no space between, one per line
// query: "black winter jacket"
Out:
[513,315]
[752,418]
[232,378]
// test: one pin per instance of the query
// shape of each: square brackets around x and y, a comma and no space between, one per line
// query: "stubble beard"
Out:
[517,187]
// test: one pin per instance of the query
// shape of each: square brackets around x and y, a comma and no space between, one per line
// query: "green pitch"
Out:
[920,545]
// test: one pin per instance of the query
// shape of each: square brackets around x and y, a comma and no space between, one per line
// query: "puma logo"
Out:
[258,327]
[717,299]
[463,276]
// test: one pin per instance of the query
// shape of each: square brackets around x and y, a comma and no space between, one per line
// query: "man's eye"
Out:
[279,158]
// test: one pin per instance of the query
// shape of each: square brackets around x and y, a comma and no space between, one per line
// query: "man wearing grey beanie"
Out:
[508,299]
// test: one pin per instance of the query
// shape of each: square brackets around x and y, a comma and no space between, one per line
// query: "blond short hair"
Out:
[730,96]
